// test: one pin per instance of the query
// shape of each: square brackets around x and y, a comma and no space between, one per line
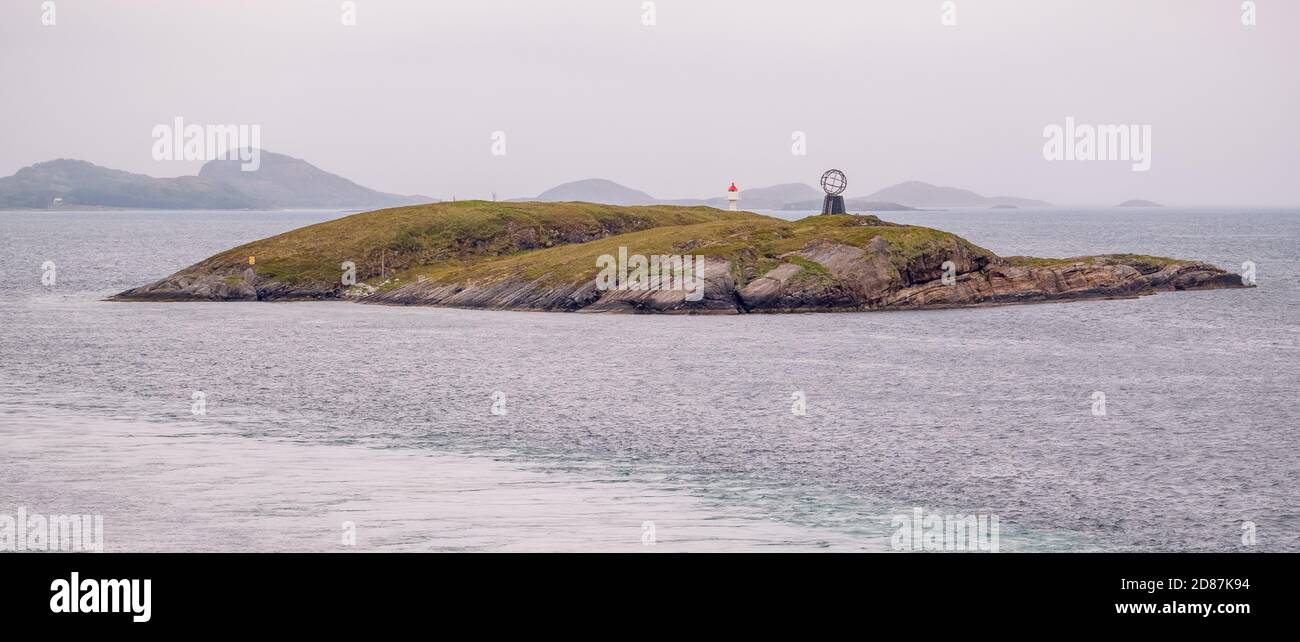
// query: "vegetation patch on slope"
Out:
[385,242]
[753,244]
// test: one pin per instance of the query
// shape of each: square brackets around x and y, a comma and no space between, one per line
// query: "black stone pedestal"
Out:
[833,204]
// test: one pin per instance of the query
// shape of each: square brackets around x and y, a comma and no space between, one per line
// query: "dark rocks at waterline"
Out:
[820,277]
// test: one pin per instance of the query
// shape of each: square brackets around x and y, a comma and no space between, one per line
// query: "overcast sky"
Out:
[407,99]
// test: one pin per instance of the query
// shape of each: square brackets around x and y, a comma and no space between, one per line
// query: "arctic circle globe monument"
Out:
[833,183]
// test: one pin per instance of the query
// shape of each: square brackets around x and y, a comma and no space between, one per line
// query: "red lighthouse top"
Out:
[733,187]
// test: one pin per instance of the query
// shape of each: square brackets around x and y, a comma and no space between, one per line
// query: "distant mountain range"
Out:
[599,190]
[851,204]
[594,190]
[284,182]
[281,182]
[788,196]
[918,194]
[775,197]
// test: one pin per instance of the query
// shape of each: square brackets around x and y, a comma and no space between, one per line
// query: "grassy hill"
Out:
[752,243]
[543,256]
[446,236]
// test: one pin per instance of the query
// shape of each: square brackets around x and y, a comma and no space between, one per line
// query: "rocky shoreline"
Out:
[844,263]
[995,283]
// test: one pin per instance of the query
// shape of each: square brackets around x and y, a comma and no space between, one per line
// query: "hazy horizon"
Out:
[407,100]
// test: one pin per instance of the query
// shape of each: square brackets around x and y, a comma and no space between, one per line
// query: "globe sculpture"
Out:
[833,182]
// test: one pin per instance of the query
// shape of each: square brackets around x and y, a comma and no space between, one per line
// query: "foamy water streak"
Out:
[175,487]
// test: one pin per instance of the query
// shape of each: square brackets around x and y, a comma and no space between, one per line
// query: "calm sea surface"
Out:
[624,431]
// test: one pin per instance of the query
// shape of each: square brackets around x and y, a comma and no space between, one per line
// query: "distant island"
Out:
[594,190]
[919,194]
[284,182]
[774,197]
[905,196]
[1004,206]
[1137,202]
[852,204]
[281,182]
[548,256]
[599,190]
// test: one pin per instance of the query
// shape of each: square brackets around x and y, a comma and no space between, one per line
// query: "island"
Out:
[859,204]
[1137,202]
[925,195]
[903,197]
[547,256]
[280,182]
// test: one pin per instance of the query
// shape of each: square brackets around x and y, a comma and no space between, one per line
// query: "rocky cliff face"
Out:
[857,279]
[854,279]
[751,264]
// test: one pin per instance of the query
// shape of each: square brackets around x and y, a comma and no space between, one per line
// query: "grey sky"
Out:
[406,100]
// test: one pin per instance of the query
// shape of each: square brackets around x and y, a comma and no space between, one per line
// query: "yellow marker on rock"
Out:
[252,260]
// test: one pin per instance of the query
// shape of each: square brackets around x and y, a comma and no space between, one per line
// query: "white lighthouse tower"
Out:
[733,196]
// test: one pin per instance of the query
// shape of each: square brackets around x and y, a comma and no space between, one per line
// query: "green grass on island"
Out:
[558,243]
[442,234]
